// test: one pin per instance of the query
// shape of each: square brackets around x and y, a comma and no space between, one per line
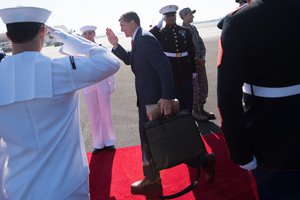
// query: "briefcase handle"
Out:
[208,164]
[189,188]
[153,110]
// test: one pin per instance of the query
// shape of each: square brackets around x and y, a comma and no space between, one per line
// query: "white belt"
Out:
[176,55]
[271,92]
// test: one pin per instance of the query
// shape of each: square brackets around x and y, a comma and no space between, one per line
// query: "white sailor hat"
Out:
[88,28]
[24,14]
[168,9]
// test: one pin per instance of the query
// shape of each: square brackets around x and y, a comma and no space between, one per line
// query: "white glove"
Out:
[58,34]
[73,44]
[159,24]
[251,165]
[194,75]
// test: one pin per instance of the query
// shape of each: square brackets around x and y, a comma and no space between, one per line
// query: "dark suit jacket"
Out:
[261,47]
[152,69]
[2,55]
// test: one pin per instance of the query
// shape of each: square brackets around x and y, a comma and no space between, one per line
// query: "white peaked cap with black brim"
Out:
[168,9]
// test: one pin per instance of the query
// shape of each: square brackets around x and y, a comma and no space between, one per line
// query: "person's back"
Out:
[40,140]
[266,49]
[272,31]
[41,149]
[261,46]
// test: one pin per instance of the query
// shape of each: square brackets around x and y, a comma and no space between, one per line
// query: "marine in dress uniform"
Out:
[40,133]
[259,94]
[98,102]
[178,46]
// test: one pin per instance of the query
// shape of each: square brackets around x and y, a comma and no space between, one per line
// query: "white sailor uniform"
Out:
[98,101]
[39,120]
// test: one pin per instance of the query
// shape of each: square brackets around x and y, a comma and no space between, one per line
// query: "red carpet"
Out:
[111,174]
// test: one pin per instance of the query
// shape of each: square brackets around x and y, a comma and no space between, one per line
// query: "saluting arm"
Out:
[117,49]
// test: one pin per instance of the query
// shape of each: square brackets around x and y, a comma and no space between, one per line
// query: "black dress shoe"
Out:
[200,117]
[97,150]
[110,148]
[145,185]
[209,115]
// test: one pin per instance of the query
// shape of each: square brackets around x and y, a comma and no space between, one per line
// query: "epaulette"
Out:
[239,8]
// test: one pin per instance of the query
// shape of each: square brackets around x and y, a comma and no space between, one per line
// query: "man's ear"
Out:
[132,23]
[43,31]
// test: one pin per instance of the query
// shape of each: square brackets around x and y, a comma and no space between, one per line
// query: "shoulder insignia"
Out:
[241,7]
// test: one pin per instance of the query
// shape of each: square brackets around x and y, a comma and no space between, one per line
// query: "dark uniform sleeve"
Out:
[220,23]
[231,76]
[156,33]
[191,50]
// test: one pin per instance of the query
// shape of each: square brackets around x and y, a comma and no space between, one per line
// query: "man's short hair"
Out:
[127,17]
[23,32]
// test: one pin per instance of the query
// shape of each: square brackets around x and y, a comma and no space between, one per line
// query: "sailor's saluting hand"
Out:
[57,33]
[112,38]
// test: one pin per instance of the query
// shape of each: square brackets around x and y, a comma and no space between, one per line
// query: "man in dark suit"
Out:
[259,94]
[153,83]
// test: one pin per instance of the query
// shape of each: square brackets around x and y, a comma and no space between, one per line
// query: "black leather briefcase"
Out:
[175,140]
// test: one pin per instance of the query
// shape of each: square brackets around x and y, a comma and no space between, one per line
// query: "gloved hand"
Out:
[251,165]
[58,34]
[73,44]
[194,75]
[200,61]
[159,24]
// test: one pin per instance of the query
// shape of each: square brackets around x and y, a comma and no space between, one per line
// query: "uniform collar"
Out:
[25,76]
[171,26]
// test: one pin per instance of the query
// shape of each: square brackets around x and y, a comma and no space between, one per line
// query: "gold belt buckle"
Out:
[178,55]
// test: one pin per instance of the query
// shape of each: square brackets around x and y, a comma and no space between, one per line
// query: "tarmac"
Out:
[124,110]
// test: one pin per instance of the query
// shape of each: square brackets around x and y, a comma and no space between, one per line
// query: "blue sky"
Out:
[76,13]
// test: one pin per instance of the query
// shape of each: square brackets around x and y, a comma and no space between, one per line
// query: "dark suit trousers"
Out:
[149,171]
[277,185]
[184,94]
